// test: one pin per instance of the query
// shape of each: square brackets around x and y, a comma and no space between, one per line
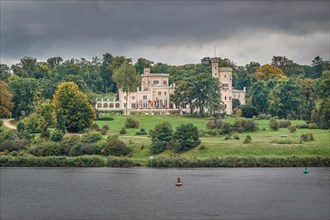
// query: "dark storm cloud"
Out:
[90,28]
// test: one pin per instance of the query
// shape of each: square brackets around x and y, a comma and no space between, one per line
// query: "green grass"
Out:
[262,141]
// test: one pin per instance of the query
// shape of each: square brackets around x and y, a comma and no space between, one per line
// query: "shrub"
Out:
[186,137]
[131,123]
[157,147]
[20,127]
[51,161]
[283,123]
[202,147]
[46,148]
[263,116]
[215,124]
[312,126]
[75,150]
[273,124]
[292,128]
[11,135]
[116,147]
[121,162]
[122,131]
[89,148]
[244,125]
[13,145]
[45,134]
[307,137]
[248,111]
[226,128]
[91,137]
[95,127]
[247,139]
[103,131]
[68,142]
[227,137]
[106,127]
[236,137]
[162,132]
[57,135]
[141,132]
[302,126]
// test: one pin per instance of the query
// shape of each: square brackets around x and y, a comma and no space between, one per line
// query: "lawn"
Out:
[264,142]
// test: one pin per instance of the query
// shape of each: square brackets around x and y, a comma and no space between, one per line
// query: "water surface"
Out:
[142,193]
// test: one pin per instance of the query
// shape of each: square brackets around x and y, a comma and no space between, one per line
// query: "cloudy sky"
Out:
[173,32]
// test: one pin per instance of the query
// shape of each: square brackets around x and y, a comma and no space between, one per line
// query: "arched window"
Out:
[105,105]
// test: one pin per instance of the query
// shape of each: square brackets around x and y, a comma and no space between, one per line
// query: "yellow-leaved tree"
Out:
[267,72]
[77,113]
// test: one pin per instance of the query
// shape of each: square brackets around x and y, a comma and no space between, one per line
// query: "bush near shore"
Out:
[169,162]
[240,162]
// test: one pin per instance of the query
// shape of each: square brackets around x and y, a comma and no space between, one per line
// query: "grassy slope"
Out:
[216,146]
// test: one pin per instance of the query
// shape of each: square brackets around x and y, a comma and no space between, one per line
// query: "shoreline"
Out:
[164,162]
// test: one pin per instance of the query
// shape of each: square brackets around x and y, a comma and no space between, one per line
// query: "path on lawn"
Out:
[7,123]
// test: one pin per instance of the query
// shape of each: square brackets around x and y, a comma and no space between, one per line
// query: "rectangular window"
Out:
[165,93]
[229,97]
[133,97]
[144,105]
[124,105]
[159,93]
[145,97]
[165,82]
[225,85]
[156,82]
[133,105]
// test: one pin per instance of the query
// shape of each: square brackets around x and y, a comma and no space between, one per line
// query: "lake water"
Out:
[144,193]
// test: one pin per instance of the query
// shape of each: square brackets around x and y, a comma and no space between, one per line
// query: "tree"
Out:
[127,80]
[267,72]
[161,135]
[4,72]
[259,96]
[141,64]
[308,97]
[248,111]
[45,109]
[236,103]
[186,137]
[106,73]
[54,61]
[77,112]
[6,104]
[287,66]
[322,114]
[200,91]
[23,90]
[285,99]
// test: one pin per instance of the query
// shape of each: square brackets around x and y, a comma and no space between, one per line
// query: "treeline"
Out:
[282,88]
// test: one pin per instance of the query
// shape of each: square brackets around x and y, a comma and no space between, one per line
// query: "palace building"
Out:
[154,94]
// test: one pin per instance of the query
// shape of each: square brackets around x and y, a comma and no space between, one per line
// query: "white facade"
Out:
[155,91]
[225,77]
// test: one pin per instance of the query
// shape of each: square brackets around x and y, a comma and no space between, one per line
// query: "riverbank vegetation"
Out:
[286,115]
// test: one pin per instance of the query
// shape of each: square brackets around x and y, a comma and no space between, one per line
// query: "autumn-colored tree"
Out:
[6,105]
[77,112]
[267,72]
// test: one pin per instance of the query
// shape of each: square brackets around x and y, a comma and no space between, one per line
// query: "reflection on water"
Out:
[142,193]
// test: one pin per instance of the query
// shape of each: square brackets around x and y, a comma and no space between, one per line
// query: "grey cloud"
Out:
[41,28]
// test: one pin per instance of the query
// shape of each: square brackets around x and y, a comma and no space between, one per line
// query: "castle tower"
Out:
[224,75]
